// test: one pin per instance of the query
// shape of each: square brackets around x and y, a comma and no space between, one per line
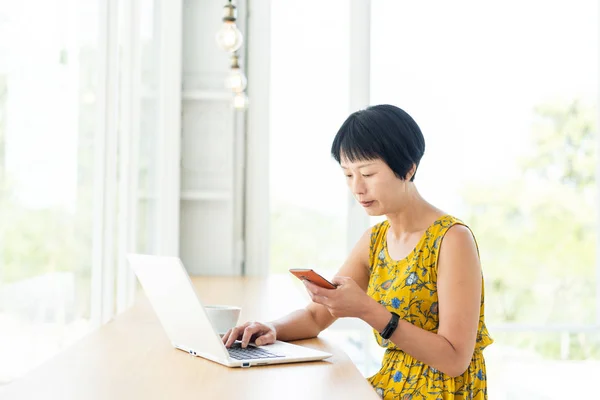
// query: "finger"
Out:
[339,280]
[265,339]
[312,288]
[248,332]
[235,334]
[231,337]
[321,300]
[226,335]
[314,297]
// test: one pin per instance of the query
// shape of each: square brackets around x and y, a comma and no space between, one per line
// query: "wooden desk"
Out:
[131,358]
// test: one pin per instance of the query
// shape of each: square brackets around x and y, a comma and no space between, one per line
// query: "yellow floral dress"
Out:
[409,288]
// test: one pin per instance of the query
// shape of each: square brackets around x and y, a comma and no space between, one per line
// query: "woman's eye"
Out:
[348,176]
[366,175]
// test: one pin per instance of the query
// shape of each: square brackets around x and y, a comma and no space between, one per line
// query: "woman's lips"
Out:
[367,203]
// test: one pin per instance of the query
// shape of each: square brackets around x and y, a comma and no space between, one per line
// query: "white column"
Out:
[105,159]
[170,24]
[129,92]
[257,139]
[360,88]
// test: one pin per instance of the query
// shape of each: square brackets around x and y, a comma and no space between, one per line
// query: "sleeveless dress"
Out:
[409,288]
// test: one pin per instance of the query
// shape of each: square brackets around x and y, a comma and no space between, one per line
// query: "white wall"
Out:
[211,148]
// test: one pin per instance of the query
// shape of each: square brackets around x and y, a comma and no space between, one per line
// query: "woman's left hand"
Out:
[347,300]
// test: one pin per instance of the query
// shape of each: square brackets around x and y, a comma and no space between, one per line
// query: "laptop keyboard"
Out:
[238,353]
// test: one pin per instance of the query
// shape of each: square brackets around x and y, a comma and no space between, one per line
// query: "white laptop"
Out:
[170,292]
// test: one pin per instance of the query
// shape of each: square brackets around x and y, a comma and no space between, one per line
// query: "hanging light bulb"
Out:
[229,37]
[240,101]
[236,80]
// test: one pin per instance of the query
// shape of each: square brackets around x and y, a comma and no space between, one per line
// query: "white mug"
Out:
[223,317]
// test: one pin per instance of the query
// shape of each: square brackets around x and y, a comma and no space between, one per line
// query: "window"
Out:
[506,96]
[49,92]
[80,128]
[310,217]
[309,102]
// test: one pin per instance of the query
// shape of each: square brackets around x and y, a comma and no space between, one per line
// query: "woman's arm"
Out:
[459,295]
[315,318]
[310,321]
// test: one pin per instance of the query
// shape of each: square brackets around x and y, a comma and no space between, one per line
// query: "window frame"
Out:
[114,235]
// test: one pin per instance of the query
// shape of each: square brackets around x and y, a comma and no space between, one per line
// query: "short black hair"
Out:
[383,132]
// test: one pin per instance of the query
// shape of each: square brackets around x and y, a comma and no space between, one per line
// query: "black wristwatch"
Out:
[388,331]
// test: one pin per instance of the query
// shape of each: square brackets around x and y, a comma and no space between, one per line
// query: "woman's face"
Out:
[374,185]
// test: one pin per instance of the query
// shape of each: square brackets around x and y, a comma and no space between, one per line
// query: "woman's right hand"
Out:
[258,332]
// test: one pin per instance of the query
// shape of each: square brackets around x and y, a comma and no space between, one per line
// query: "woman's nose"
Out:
[358,186]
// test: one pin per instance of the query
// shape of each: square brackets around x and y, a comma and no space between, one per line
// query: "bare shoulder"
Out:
[458,248]
[459,235]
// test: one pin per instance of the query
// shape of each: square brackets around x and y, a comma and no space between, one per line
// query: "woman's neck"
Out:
[415,215]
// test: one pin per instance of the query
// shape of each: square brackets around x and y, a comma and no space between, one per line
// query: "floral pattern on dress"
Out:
[408,287]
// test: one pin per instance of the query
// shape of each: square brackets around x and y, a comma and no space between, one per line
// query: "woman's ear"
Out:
[411,172]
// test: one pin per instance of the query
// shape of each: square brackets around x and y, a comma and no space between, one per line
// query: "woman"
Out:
[415,278]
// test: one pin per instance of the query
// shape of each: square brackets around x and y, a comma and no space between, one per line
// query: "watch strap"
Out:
[390,328]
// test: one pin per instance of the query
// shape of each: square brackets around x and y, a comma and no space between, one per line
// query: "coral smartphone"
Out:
[313,277]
